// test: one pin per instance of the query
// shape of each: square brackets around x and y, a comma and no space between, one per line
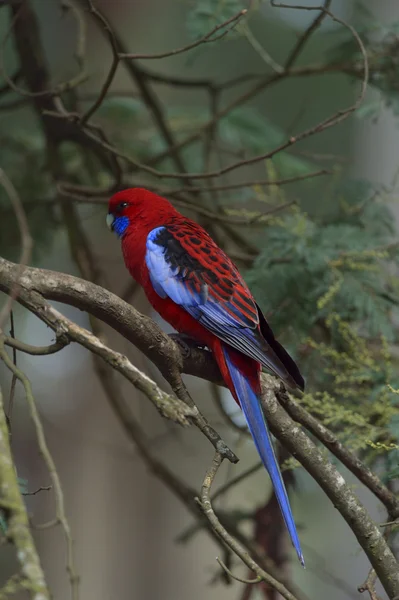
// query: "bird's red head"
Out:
[135,204]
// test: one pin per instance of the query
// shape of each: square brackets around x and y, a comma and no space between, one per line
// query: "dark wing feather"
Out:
[186,265]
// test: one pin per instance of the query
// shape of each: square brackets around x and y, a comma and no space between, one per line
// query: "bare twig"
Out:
[4,89]
[240,579]
[304,38]
[247,184]
[42,488]
[14,378]
[58,345]
[256,219]
[139,76]
[368,585]
[206,506]
[228,25]
[265,56]
[114,65]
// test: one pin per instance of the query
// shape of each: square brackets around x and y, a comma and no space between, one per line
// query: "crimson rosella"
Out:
[196,288]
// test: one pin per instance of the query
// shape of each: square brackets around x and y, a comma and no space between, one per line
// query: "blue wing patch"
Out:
[166,279]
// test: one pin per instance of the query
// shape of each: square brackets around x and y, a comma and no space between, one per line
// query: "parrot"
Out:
[195,287]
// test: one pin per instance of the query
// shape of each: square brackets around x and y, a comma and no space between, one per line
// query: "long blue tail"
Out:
[252,409]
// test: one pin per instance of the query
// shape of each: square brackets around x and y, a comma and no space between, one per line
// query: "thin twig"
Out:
[206,506]
[249,184]
[14,377]
[256,219]
[42,488]
[208,38]
[368,585]
[114,65]
[150,99]
[240,579]
[304,38]
[58,345]
[265,56]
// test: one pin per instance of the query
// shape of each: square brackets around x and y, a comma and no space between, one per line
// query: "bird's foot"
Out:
[185,343]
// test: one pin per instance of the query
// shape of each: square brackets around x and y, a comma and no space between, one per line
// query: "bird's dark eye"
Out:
[121,206]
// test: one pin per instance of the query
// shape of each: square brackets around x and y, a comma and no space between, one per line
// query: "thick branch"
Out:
[121,316]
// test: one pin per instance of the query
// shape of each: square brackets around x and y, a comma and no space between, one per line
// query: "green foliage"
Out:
[325,279]
[311,266]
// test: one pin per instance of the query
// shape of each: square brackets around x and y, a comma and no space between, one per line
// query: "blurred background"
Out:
[133,538]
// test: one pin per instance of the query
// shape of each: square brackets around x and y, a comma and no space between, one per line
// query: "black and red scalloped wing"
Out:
[186,265]
[215,269]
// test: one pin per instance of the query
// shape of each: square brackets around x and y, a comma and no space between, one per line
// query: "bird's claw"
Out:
[185,343]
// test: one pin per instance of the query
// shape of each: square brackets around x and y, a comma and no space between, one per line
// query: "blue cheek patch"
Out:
[120,225]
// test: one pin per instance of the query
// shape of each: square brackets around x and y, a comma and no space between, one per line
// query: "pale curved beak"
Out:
[110,221]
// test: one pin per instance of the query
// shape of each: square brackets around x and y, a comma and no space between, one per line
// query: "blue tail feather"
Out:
[252,409]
